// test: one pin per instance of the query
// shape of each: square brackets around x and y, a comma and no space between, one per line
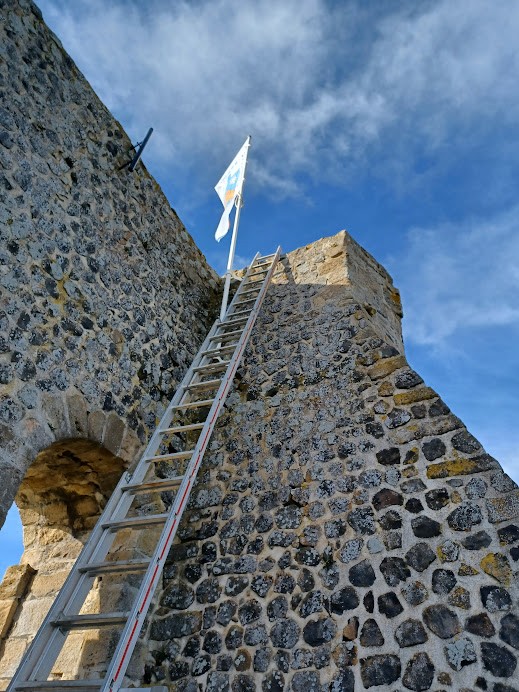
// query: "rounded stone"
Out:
[344,681]
[362,574]
[306,681]
[441,621]
[410,633]
[394,570]
[389,605]
[273,682]
[370,634]
[437,499]
[285,634]
[362,520]
[321,631]
[464,517]
[385,498]
[433,449]
[498,660]
[419,673]
[425,527]
[249,612]
[509,630]
[443,581]
[465,442]
[382,669]
[344,599]
[481,625]
[460,653]
[420,556]
[495,598]
[415,593]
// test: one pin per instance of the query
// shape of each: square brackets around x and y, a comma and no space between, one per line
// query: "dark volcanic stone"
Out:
[391,520]
[262,659]
[234,637]
[277,608]
[369,602]
[498,660]
[443,581]
[433,449]
[344,599]
[212,642]
[413,485]
[410,632]
[285,634]
[420,556]
[437,498]
[288,517]
[442,621]
[249,612]
[362,574]
[208,591]
[308,556]
[306,681]
[388,456]
[460,653]
[476,541]
[224,662]
[415,593]
[312,603]
[226,612]
[499,687]
[178,596]
[235,585]
[178,625]
[465,442]
[481,625]
[273,682]
[317,632]
[397,417]
[389,605]
[261,584]
[382,669]
[285,583]
[344,681]
[217,682]
[509,631]
[414,505]
[386,498]
[424,527]
[407,379]
[495,598]
[508,534]
[179,669]
[394,570]
[419,673]
[464,517]
[361,520]
[243,683]
[305,580]
[370,634]
[255,634]
[201,665]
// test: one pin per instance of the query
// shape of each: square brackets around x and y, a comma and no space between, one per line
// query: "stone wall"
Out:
[104,296]
[104,300]
[347,531]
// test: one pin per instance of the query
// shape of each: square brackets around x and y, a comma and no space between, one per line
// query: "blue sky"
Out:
[398,121]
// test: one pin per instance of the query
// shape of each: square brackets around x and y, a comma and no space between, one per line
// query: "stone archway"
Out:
[59,499]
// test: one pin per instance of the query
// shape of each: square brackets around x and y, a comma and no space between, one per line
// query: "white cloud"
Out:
[460,276]
[318,100]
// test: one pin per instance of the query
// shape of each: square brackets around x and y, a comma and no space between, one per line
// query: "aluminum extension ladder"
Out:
[212,370]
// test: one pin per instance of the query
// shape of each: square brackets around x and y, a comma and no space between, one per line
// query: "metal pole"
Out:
[139,151]
[239,205]
[230,261]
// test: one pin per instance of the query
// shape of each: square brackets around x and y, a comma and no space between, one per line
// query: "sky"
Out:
[397,121]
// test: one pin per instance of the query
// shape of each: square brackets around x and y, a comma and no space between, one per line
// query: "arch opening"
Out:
[59,500]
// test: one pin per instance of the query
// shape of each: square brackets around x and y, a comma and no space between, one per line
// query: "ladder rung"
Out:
[218,337]
[78,685]
[221,349]
[171,457]
[161,486]
[241,312]
[230,322]
[94,620]
[257,273]
[115,566]
[183,428]
[208,368]
[131,522]
[247,300]
[207,384]
[195,404]
[252,290]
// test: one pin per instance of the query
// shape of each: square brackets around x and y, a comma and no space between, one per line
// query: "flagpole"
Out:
[228,273]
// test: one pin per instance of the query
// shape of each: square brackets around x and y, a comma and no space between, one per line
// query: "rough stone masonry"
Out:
[347,531]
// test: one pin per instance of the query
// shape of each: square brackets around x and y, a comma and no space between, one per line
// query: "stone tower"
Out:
[347,531]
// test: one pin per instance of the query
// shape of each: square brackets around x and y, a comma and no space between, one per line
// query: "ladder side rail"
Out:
[128,639]
[39,652]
